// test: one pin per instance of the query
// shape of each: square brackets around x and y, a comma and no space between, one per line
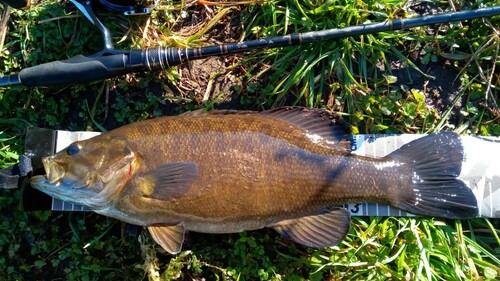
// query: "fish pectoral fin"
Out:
[170,181]
[170,237]
[326,228]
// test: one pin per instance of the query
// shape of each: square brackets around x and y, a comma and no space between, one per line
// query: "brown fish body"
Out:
[252,171]
[223,173]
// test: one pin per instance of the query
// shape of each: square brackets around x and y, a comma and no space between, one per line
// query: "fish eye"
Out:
[73,149]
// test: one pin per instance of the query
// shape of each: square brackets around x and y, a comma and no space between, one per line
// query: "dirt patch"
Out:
[211,80]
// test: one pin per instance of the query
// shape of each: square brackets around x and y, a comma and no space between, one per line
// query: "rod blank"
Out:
[167,57]
[80,69]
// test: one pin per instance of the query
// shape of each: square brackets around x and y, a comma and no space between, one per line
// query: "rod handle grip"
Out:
[78,69]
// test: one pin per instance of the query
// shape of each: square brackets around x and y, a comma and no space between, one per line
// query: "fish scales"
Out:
[226,172]
[265,158]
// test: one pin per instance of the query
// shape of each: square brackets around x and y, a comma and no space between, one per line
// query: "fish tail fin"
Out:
[436,162]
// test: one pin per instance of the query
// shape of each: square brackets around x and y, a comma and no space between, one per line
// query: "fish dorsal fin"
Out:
[169,237]
[326,228]
[325,127]
[202,112]
[169,181]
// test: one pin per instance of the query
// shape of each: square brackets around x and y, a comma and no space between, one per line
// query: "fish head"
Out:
[90,172]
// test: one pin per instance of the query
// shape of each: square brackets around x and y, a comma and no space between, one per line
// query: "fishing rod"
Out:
[111,62]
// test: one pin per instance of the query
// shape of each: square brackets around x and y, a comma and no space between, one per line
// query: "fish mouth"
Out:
[61,190]
[54,171]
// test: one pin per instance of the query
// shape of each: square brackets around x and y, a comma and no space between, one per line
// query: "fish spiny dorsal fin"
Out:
[324,229]
[329,126]
[169,237]
[333,131]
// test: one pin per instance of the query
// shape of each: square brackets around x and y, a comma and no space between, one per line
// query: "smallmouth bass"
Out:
[230,171]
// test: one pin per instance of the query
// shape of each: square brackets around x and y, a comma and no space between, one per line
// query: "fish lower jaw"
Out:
[42,183]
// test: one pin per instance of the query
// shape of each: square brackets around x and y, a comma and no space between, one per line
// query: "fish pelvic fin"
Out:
[170,237]
[436,162]
[326,228]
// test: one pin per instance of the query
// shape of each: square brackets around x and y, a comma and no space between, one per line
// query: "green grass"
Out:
[381,83]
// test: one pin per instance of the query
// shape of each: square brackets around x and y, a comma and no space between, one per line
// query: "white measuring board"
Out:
[480,170]
[63,140]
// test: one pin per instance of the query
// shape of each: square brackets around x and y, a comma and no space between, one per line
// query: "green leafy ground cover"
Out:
[442,77]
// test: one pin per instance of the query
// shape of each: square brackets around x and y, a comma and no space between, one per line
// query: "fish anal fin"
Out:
[323,126]
[169,181]
[169,237]
[326,228]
